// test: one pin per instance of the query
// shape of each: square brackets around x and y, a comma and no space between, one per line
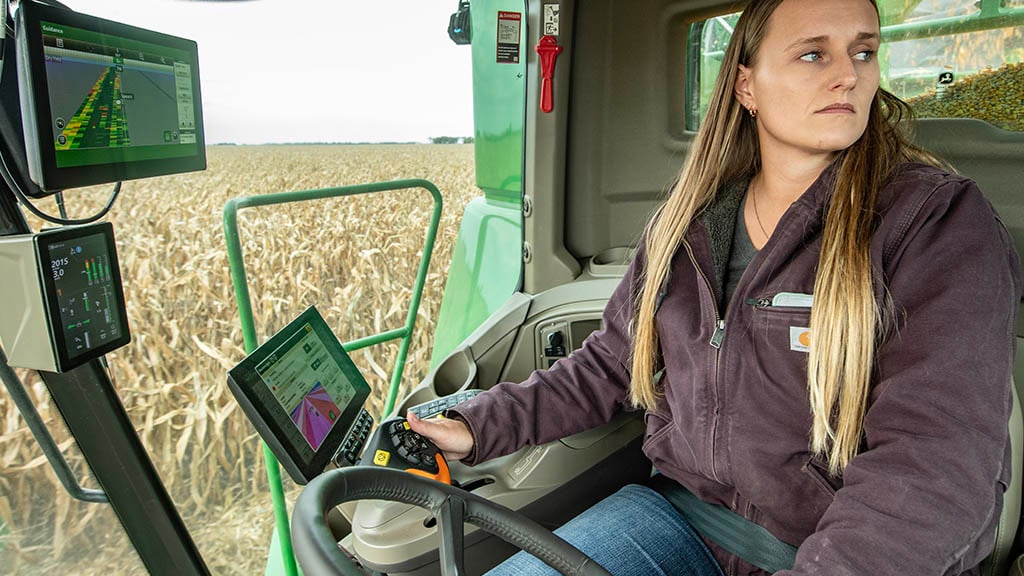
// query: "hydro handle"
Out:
[548,50]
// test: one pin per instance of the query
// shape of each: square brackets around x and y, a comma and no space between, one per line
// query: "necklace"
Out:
[757,215]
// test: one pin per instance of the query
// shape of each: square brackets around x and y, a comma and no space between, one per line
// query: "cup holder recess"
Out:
[611,262]
[456,372]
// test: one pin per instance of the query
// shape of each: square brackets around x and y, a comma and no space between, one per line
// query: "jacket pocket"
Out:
[818,471]
[659,425]
[784,321]
[783,302]
[792,300]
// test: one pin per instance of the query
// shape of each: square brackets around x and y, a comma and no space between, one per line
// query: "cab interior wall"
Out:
[626,137]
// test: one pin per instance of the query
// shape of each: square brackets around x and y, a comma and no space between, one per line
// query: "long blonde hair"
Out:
[845,320]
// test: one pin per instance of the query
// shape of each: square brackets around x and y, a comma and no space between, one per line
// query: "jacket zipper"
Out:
[716,342]
[719,333]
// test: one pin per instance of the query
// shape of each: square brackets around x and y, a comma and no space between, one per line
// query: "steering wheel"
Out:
[318,552]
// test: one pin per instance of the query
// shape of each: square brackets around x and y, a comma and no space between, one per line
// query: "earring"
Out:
[753,112]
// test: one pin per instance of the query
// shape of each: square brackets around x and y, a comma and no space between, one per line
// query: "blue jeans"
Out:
[634,532]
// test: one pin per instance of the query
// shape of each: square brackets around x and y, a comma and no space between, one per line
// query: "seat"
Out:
[998,563]
[1018,567]
[992,157]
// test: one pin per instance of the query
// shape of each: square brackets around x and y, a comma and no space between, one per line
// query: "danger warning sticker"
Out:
[509,25]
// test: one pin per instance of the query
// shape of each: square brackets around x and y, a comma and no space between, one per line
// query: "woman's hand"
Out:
[451,436]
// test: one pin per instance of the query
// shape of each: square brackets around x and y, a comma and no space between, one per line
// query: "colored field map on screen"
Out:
[98,106]
[109,92]
[315,415]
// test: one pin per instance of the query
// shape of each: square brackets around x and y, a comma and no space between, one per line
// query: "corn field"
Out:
[354,258]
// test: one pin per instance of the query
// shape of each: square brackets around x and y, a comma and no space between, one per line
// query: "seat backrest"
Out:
[998,563]
[1017,568]
[993,158]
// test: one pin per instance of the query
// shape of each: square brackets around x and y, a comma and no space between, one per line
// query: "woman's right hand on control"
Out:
[451,436]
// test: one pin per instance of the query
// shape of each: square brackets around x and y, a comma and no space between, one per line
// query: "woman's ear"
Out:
[743,89]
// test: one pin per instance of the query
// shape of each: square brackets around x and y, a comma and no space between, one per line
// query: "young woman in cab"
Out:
[819,324]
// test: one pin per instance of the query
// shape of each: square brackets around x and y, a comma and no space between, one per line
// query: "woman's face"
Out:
[814,76]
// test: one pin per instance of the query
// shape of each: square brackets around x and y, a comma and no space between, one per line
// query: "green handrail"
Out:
[990,17]
[238,278]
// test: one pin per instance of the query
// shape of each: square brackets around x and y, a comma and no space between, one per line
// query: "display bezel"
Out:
[43,240]
[37,113]
[273,423]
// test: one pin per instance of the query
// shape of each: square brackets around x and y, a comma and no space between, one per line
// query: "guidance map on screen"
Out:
[109,93]
[308,383]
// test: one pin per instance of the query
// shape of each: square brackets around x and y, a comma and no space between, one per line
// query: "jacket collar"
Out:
[720,217]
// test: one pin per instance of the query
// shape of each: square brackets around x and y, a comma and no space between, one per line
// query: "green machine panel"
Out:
[487,258]
[499,94]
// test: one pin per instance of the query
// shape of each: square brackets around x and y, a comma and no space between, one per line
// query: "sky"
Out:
[317,70]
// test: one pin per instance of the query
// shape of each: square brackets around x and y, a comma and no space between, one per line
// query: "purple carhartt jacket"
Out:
[924,495]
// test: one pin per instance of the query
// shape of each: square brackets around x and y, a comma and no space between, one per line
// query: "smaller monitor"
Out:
[61,303]
[303,394]
[103,101]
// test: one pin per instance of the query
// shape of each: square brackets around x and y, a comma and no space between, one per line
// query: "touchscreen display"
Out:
[116,99]
[302,392]
[86,293]
[102,101]
[308,383]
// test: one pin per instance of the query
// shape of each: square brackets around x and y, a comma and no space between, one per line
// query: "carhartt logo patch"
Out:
[800,338]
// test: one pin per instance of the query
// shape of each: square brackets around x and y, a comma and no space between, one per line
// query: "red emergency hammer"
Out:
[548,50]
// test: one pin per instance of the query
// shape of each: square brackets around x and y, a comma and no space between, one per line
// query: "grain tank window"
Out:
[947,58]
[960,73]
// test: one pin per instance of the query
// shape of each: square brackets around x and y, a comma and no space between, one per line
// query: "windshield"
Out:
[295,96]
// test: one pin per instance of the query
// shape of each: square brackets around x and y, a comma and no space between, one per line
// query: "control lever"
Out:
[548,50]
[395,445]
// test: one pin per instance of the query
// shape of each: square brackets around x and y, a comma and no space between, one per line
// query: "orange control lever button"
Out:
[443,475]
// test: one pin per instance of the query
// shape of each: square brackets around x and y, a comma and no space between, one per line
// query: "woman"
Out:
[819,325]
